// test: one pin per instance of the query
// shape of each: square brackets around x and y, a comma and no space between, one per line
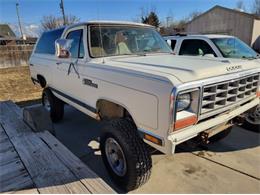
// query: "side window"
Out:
[195,47]
[173,43]
[46,44]
[77,47]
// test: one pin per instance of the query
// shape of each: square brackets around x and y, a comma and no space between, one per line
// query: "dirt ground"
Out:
[16,85]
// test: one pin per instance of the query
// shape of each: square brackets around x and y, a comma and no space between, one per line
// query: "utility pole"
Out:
[168,21]
[63,12]
[19,21]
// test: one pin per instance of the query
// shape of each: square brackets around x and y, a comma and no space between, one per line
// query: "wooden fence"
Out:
[15,55]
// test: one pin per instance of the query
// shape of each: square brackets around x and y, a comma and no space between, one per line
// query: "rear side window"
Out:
[173,43]
[46,44]
[195,47]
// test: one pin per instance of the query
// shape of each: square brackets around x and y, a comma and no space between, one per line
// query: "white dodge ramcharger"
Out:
[125,75]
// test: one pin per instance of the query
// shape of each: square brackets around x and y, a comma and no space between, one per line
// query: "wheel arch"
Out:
[42,80]
[125,111]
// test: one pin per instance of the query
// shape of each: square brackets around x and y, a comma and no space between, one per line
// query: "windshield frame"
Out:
[123,25]
[240,42]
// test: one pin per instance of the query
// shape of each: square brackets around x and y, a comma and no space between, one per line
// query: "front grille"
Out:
[219,95]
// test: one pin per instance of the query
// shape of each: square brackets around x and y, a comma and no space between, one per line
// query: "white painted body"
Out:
[141,84]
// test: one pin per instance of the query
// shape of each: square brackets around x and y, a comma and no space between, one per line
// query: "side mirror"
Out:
[62,47]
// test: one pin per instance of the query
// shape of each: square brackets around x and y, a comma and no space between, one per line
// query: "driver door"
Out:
[67,76]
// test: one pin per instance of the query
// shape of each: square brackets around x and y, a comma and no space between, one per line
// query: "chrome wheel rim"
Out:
[254,117]
[46,103]
[115,156]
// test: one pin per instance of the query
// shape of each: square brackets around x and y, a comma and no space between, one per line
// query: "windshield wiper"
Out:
[249,58]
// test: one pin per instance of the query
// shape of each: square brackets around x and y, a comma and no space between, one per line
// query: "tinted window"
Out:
[173,43]
[195,47]
[46,44]
[77,48]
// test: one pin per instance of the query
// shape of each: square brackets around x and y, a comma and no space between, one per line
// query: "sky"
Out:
[32,11]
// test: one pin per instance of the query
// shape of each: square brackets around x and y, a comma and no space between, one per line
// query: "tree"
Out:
[52,22]
[256,7]
[151,19]
[192,15]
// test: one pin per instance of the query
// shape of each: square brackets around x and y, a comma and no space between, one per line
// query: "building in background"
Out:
[221,20]
[7,35]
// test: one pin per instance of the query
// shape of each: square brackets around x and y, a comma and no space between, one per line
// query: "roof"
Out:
[104,22]
[227,9]
[210,36]
[6,31]
[199,35]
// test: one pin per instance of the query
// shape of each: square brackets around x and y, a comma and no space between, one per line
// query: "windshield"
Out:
[234,48]
[125,40]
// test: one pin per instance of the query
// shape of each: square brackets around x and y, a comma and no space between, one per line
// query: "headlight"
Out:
[183,101]
[184,108]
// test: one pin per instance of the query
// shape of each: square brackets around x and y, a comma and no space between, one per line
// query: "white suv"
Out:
[124,74]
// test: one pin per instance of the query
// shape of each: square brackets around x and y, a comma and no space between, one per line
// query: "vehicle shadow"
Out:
[80,134]
[238,139]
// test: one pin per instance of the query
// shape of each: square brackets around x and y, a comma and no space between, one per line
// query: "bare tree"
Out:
[192,15]
[52,22]
[256,7]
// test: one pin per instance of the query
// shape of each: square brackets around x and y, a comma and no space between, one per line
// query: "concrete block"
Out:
[38,118]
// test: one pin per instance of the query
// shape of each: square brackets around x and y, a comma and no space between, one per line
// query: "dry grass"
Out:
[16,85]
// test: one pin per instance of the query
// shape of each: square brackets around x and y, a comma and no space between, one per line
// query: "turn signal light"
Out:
[182,123]
[153,139]
[258,94]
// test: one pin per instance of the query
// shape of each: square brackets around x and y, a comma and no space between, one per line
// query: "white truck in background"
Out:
[125,75]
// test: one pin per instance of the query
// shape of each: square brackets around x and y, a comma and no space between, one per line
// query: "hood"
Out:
[184,68]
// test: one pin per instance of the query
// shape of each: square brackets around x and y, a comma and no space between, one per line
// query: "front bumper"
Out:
[183,135]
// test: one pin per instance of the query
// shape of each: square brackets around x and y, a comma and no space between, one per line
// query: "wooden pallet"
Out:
[33,162]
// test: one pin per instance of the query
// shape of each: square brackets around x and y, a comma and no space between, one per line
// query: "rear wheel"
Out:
[220,136]
[252,120]
[52,104]
[125,155]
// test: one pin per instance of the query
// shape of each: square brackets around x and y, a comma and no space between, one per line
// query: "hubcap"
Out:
[115,156]
[46,103]
[254,117]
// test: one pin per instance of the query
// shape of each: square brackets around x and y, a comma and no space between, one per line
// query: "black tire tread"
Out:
[125,130]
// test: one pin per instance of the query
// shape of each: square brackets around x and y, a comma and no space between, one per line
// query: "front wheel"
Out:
[125,155]
[252,120]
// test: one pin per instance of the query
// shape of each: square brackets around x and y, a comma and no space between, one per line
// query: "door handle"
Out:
[58,63]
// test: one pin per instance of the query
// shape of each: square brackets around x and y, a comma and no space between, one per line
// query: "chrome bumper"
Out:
[192,131]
